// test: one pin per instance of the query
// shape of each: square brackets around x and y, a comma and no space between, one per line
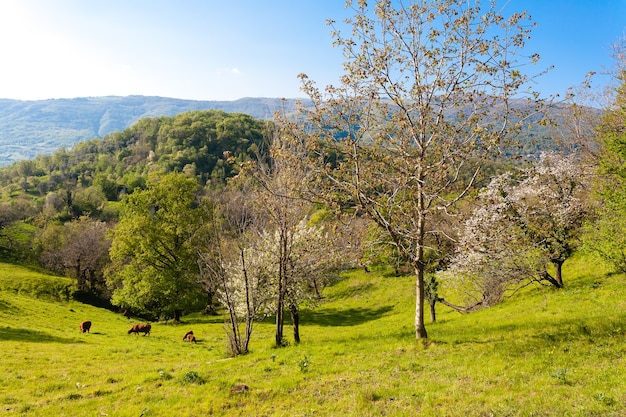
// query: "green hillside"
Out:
[543,353]
[40,127]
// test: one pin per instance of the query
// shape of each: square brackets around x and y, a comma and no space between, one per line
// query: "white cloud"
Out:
[226,71]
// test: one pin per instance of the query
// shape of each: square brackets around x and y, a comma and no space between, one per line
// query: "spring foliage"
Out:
[426,96]
[607,237]
[154,268]
[519,227]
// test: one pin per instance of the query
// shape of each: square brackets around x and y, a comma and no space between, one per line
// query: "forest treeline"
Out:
[433,174]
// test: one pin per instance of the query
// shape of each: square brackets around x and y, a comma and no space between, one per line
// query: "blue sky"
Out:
[225,50]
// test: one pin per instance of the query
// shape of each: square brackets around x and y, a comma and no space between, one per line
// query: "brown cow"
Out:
[140,328]
[189,337]
[85,326]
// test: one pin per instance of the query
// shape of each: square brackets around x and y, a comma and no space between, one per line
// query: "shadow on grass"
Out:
[193,320]
[540,334]
[352,290]
[217,319]
[344,317]
[33,336]
[595,330]
[8,307]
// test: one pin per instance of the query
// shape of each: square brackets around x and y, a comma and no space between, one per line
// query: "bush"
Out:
[192,377]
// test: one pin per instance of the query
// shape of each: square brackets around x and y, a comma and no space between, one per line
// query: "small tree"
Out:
[79,249]
[493,253]
[281,178]
[310,260]
[519,227]
[553,203]
[233,268]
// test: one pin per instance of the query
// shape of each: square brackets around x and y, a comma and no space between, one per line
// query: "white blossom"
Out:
[519,226]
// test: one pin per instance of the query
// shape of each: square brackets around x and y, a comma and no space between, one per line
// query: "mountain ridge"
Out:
[40,127]
[32,127]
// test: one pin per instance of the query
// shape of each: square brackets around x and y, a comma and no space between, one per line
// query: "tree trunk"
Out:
[177,315]
[420,265]
[295,319]
[282,285]
[556,282]
[318,295]
[249,309]
[246,342]
[80,279]
[210,305]
[420,328]
[461,309]
[235,345]
[279,324]
[433,313]
[558,278]
[280,310]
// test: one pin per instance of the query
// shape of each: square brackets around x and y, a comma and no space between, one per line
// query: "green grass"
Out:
[542,353]
[24,281]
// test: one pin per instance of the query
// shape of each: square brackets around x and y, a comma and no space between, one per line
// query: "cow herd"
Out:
[144,328]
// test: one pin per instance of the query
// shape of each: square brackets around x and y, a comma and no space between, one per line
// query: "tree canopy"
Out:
[607,236]
[209,145]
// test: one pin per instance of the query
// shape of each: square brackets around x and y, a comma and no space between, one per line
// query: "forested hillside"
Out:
[89,180]
[30,128]
[202,143]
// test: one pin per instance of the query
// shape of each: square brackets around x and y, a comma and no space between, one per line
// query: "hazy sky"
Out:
[225,50]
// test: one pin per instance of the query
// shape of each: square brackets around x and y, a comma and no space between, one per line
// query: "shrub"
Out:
[192,377]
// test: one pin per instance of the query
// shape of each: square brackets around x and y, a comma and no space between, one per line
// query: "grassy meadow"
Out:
[543,352]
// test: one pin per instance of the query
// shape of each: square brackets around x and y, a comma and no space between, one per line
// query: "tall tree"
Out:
[427,93]
[607,236]
[154,260]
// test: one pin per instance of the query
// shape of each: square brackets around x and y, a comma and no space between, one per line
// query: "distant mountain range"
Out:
[29,128]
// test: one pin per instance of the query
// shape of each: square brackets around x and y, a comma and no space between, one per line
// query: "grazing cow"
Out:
[189,337]
[140,328]
[239,389]
[85,326]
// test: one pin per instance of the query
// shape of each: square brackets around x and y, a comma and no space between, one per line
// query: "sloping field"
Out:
[542,353]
